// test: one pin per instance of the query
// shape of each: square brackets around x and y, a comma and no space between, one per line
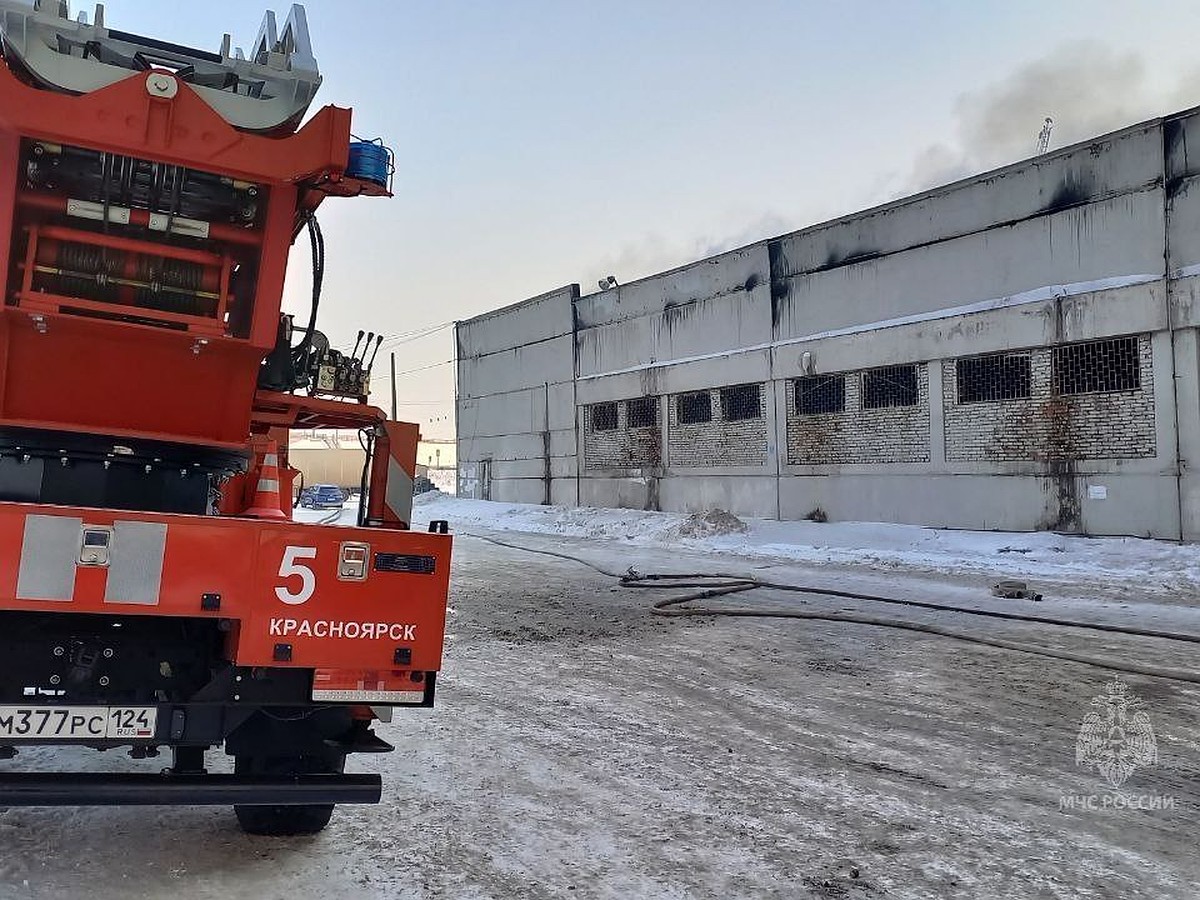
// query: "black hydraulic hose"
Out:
[366,440]
[566,556]
[317,243]
[735,584]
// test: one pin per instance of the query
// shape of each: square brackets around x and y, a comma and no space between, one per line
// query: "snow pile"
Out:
[428,497]
[710,524]
[1158,566]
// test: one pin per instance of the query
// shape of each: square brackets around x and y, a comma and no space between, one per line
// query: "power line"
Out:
[411,371]
[404,337]
[438,325]
[414,335]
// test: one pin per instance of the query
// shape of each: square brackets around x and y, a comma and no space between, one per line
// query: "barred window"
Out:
[604,417]
[641,412]
[694,407]
[741,402]
[820,394]
[1096,366]
[889,386]
[998,377]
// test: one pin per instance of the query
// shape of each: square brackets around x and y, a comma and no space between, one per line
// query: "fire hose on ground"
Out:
[710,585]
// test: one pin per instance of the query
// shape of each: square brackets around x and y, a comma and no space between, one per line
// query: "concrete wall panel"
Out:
[618,492]
[701,327]
[518,490]
[564,492]
[521,367]
[545,316]
[719,276]
[741,495]
[985,502]
[1118,238]
[1118,163]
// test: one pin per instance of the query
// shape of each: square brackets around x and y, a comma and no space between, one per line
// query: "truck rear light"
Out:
[368,686]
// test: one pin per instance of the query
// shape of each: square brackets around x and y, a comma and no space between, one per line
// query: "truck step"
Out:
[108,789]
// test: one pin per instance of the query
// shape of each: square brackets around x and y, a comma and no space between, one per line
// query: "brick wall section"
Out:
[624,447]
[1109,425]
[717,443]
[894,434]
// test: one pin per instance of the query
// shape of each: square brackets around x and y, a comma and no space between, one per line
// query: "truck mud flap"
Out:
[104,789]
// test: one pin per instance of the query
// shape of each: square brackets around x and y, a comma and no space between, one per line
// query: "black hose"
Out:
[735,584]
[366,440]
[681,581]
[317,242]
[301,491]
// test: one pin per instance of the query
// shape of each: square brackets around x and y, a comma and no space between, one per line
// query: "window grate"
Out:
[1097,366]
[693,408]
[741,402]
[820,394]
[604,417]
[641,412]
[988,378]
[890,386]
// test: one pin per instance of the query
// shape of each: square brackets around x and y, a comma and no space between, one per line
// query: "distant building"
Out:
[1014,351]
[333,457]
[439,457]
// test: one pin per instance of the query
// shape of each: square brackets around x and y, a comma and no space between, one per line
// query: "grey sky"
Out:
[540,143]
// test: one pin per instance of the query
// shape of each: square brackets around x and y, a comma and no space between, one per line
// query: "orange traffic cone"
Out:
[266,495]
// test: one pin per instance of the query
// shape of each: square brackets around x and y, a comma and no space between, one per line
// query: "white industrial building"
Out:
[1013,351]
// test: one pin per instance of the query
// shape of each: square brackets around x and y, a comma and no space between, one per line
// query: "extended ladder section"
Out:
[270,89]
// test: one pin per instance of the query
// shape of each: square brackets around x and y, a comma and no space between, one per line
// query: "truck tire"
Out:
[286,821]
[283,821]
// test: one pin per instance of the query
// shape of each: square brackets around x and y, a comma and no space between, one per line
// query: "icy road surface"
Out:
[582,748]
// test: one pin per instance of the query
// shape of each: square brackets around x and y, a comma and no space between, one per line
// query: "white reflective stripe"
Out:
[268,484]
[398,494]
[348,696]
[135,565]
[49,555]
[271,459]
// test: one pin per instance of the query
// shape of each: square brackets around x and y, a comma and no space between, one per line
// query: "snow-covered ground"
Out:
[582,747]
[1157,566]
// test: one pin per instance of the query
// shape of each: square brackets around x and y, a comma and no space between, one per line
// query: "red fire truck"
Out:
[155,592]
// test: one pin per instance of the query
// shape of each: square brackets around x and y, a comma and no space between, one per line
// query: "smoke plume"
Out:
[654,253]
[1086,87]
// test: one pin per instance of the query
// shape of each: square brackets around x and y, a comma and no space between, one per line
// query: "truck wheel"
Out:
[284,821]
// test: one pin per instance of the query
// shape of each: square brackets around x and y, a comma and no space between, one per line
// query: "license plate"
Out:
[66,723]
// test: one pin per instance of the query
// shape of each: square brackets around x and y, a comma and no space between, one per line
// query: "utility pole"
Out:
[395,418]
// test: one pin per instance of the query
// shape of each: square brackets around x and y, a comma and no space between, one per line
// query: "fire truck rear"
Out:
[155,593]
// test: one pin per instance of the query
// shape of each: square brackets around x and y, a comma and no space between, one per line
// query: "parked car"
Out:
[322,496]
